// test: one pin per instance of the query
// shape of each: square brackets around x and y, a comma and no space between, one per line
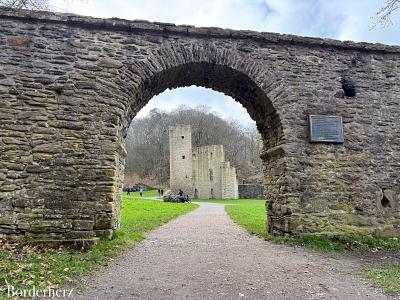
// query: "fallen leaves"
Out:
[7,245]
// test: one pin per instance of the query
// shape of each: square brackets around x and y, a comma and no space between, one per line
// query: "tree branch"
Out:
[25,4]
[383,16]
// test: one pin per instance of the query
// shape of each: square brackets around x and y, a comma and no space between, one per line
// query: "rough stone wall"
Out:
[70,86]
[251,191]
[181,164]
[229,186]
[208,159]
[235,186]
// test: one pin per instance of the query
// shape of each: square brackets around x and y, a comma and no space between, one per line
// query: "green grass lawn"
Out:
[25,267]
[388,277]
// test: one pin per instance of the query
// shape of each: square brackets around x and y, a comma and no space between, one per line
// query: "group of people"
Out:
[160,192]
[181,196]
[129,190]
[184,197]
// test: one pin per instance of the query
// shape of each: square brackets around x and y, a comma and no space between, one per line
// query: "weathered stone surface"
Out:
[7,219]
[109,63]
[79,234]
[251,191]
[18,41]
[201,172]
[13,166]
[21,202]
[37,169]
[103,221]
[104,234]
[65,107]
[83,225]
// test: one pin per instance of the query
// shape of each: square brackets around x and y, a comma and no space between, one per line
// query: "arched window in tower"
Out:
[211,175]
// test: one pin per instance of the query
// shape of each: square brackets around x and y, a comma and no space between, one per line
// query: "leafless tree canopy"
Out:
[384,14]
[27,4]
[148,146]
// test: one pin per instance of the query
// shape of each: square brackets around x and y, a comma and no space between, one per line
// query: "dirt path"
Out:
[204,255]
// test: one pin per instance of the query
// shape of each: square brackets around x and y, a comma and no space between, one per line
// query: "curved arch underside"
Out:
[222,79]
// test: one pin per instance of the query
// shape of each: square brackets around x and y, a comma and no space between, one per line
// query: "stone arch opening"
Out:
[230,82]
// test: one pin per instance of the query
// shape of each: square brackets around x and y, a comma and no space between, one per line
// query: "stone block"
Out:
[21,202]
[13,166]
[8,188]
[387,231]
[23,226]
[37,169]
[103,221]
[7,218]
[83,225]
[74,235]
[109,63]
[19,41]
[106,234]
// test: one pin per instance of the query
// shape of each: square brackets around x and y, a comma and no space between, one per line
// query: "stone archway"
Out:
[70,85]
[231,82]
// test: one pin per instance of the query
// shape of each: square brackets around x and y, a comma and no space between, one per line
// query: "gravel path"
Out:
[204,255]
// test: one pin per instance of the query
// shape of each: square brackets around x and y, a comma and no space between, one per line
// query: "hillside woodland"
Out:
[148,146]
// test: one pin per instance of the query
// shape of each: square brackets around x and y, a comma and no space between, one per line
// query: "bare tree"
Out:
[383,16]
[26,4]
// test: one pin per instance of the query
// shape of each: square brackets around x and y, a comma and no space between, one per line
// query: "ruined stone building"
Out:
[202,172]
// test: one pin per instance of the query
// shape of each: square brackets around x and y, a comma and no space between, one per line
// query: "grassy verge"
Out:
[25,267]
[388,277]
[251,215]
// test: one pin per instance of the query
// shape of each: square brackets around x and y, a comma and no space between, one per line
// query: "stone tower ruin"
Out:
[202,172]
[180,158]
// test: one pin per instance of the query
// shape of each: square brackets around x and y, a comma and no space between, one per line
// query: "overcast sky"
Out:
[337,19]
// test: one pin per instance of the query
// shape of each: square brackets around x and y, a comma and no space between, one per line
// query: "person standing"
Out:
[141,192]
[180,195]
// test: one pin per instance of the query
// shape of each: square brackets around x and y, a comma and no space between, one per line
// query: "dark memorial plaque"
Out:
[326,129]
